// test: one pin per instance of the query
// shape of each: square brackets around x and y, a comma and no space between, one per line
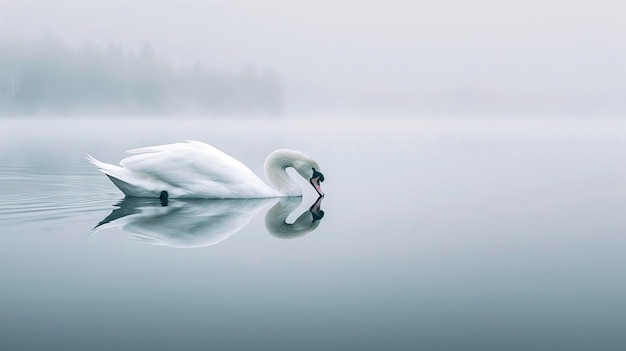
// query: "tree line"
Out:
[48,76]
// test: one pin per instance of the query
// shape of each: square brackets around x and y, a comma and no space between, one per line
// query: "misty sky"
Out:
[385,48]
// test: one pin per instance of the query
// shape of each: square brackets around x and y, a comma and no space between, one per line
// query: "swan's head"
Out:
[309,170]
[306,167]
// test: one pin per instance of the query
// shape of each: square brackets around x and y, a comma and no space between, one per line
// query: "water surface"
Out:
[436,235]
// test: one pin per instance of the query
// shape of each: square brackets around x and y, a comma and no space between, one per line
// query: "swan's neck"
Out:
[276,166]
[277,175]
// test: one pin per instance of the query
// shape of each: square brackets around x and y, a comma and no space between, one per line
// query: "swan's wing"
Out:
[181,162]
[194,168]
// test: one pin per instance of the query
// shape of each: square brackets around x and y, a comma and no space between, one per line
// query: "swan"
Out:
[193,169]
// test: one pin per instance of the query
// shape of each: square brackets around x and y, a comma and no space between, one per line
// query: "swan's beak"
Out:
[316,180]
[316,184]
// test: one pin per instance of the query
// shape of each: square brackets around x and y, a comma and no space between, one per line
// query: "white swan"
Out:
[197,170]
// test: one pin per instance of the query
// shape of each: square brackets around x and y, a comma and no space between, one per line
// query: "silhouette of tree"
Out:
[47,75]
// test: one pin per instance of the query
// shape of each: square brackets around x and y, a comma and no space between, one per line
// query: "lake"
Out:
[437,234]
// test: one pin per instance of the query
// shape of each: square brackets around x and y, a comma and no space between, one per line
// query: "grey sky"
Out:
[558,48]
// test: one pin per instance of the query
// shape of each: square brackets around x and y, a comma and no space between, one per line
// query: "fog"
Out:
[48,75]
[420,57]
[471,150]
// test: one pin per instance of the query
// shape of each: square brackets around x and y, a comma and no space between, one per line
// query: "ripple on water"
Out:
[28,196]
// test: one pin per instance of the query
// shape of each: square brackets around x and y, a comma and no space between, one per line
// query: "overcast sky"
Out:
[558,48]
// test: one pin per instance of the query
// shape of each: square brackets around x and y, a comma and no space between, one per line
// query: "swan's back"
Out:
[191,169]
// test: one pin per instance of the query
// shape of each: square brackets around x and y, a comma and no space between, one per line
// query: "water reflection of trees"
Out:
[48,75]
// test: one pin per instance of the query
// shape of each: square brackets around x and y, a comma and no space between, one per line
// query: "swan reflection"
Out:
[276,218]
[199,223]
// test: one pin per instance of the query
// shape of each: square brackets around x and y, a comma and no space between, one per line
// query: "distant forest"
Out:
[46,75]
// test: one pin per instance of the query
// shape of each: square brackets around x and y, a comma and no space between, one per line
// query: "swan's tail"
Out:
[107,168]
[123,179]
[102,167]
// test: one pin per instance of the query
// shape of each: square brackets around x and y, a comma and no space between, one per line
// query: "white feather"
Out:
[195,170]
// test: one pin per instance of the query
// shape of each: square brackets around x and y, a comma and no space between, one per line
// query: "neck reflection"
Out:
[276,218]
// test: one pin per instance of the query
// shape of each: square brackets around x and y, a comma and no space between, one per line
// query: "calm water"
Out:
[437,235]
